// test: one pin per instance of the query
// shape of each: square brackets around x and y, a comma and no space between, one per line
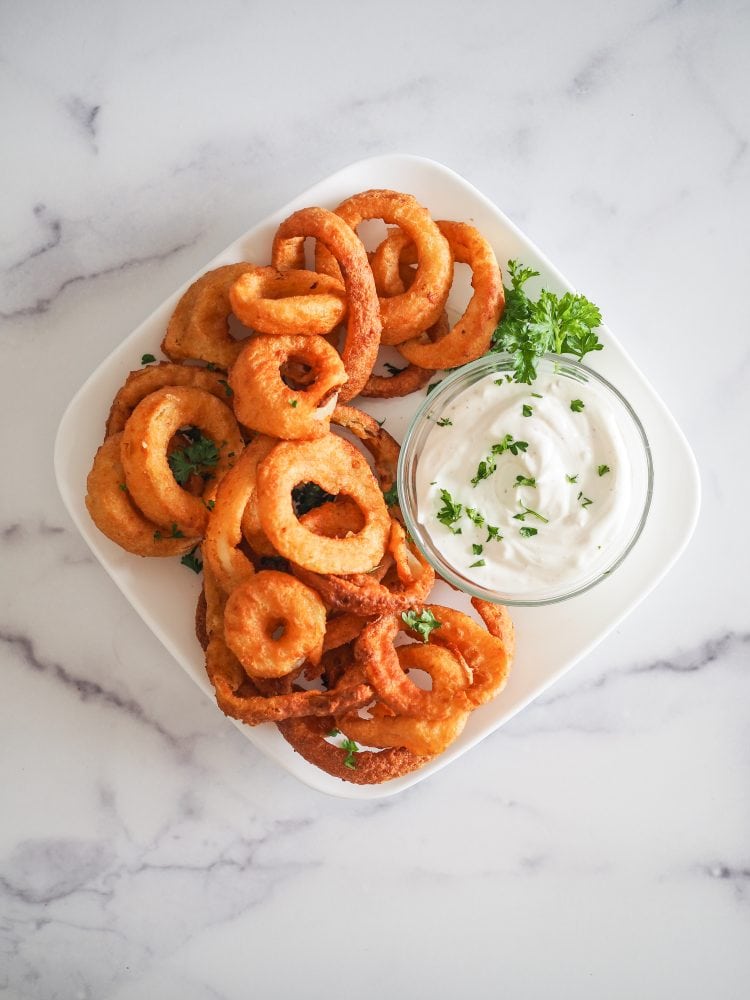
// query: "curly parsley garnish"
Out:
[528,329]
[197,457]
[423,623]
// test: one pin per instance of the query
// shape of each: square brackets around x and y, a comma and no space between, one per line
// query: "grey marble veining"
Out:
[598,844]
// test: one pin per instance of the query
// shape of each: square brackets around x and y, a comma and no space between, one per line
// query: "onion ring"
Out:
[382,665]
[487,651]
[264,402]
[235,513]
[144,381]
[414,310]
[334,519]
[264,604]
[307,737]
[144,454]
[363,324]
[113,512]
[199,327]
[288,302]
[338,468]
[238,697]
[471,335]
[383,448]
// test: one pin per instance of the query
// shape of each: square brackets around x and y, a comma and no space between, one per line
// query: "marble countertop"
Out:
[597,845]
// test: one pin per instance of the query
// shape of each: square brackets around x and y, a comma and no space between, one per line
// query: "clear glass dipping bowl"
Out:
[424,423]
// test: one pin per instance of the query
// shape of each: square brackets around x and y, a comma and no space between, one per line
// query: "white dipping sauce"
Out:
[585,526]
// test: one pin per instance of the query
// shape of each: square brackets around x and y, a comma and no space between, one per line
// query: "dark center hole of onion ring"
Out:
[277,629]
[236,329]
[297,374]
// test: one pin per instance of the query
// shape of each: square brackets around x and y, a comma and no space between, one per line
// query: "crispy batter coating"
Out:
[264,402]
[363,324]
[294,302]
[199,327]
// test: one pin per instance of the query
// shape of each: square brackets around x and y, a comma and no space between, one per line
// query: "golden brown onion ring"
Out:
[338,468]
[288,302]
[113,512]
[144,454]
[471,335]
[420,306]
[273,623]
[144,381]
[199,327]
[363,324]
[264,402]
[382,665]
[235,513]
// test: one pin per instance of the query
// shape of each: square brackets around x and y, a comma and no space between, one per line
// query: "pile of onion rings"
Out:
[247,449]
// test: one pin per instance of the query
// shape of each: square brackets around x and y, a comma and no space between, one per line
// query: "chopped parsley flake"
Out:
[493,533]
[450,512]
[479,562]
[423,623]
[444,422]
[525,481]
[527,532]
[146,359]
[603,470]
[474,516]
[352,749]
[227,387]
[585,501]
[432,385]
[477,549]
[526,410]
[391,495]
[572,479]
[577,405]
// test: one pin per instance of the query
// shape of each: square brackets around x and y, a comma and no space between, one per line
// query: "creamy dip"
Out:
[526,489]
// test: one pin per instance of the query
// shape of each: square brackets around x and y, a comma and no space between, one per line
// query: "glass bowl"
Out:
[550,580]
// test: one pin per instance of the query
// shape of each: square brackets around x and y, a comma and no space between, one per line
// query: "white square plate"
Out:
[550,639]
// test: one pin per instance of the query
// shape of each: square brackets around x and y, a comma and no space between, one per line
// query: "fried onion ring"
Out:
[288,302]
[238,697]
[471,335]
[307,737]
[338,468]
[235,513]
[264,402]
[199,327]
[383,666]
[144,381]
[113,512]
[487,651]
[363,324]
[383,448]
[264,605]
[420,306]
[144,454]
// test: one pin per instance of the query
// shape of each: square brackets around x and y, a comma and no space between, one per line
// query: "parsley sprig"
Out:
[423,623]
[528,329]
[450,512]
[197,457]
